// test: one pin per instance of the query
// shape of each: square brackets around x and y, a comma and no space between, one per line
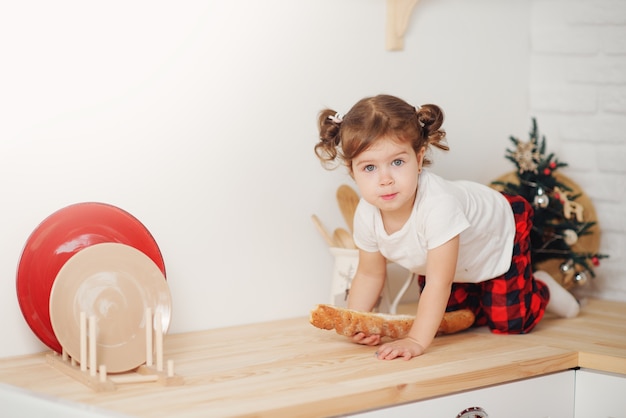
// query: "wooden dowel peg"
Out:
[170,368]
[83,342]
[149,337]
[103,373]
[92,345]
[159,342]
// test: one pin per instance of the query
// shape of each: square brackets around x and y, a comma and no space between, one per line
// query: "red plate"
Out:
[59,237]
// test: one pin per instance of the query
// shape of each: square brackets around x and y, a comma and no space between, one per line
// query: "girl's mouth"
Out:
[388,196]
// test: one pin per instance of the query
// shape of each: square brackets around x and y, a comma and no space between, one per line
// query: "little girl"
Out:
[469,244]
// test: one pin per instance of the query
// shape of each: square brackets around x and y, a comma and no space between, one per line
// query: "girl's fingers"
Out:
[362,339]
[390,353]
[384,353]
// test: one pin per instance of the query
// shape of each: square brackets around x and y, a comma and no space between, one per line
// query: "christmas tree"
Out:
[559,219]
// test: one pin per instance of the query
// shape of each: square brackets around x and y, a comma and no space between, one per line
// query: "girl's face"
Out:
[386,175]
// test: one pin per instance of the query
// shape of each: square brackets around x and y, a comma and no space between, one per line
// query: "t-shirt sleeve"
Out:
[444,219]
[364,234]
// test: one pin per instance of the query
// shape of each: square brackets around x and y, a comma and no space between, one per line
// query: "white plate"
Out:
[115,283]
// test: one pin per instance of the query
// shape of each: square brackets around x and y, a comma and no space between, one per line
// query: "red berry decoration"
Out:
[595,261]
[547,171]
[552,165]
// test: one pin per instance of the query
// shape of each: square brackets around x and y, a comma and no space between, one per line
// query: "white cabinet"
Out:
[546,396]
[17,402]
[600,394]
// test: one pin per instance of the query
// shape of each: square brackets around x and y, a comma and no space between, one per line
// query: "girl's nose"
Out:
[385,178]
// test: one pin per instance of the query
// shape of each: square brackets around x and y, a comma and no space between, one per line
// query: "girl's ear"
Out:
[420,158]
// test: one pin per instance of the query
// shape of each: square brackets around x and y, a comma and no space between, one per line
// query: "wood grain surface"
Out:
[289,368]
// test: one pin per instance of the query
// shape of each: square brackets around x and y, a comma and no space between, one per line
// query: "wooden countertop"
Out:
[288,368]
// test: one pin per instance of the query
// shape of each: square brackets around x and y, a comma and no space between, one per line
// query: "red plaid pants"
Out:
[514,302]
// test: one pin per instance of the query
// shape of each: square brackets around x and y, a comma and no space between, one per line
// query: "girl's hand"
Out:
[407,348]
[360,338]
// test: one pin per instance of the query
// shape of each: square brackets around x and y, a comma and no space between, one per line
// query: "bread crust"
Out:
[349,322]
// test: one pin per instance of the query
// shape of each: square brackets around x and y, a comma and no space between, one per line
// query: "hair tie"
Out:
[417,109]
[337,118]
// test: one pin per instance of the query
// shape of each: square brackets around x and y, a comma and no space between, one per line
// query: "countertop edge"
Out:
[414,391]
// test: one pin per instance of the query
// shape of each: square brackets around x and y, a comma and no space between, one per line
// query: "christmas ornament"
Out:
[564,237]
[540,199]
[580,278]
[567,266]
[569,206]
[570,237]
[567,273]
[526,156]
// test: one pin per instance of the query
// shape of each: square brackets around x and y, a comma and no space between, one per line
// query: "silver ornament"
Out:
[567,266]
[581,278]
[541,200]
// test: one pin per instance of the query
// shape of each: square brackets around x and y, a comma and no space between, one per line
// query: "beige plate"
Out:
[115,283]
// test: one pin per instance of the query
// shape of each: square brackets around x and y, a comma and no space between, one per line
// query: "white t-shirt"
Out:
[442,210]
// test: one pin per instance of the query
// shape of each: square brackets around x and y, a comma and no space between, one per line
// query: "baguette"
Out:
[349,322]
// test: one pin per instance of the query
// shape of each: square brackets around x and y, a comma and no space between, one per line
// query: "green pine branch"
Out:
[549,223]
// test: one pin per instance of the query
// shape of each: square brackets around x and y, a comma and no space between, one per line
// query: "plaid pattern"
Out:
[514,302]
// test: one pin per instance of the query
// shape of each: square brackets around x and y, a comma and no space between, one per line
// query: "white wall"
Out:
[198,117]
[578,93]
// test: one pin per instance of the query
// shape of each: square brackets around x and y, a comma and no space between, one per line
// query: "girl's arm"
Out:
[368,281]
[366,288]
[440,268]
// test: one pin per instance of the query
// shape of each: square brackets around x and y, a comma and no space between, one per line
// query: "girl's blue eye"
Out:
[369,168]
[397,163]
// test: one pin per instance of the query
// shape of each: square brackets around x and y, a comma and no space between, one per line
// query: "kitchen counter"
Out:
[288,368]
